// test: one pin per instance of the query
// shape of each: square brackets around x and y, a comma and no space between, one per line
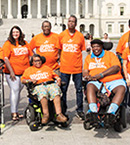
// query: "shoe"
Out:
[80,115]
[61,118]
[45,118]
[14,117]
[20,116]
[109,119]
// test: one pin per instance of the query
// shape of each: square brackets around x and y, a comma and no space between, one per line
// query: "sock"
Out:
[113,108]
[92,107]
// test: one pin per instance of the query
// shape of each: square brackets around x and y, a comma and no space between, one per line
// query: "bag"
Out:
[103,99]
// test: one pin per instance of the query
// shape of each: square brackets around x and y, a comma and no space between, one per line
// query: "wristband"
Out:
[101,75]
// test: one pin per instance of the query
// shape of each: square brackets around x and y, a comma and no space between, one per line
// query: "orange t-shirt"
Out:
[71,52]
[47,46]
[98,65]
[1,53]
[42,74]
[123,42]
[18,56]
[126,56]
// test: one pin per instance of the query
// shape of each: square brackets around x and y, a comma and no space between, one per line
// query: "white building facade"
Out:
[94,16]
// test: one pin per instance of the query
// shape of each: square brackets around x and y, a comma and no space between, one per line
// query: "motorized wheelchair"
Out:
[33,112]
[102,118]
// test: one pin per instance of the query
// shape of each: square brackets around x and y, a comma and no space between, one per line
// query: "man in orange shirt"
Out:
[103,66]
[72,44]
[123,42]
[46,44]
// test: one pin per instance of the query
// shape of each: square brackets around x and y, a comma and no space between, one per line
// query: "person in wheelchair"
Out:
[46,89]
[103,67]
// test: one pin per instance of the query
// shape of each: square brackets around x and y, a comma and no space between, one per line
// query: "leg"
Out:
[65,78]
[60,117]
[44,103]
[77,78]
[14,93]
[57,104]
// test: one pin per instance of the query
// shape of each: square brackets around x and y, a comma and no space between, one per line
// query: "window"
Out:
[109,11]
[121,11]
[109,28]
[121,28]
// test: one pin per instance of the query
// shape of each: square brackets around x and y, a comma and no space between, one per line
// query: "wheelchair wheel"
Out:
[123,117]
[33,126]
[29,114]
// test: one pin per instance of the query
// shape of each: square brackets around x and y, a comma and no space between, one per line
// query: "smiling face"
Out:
[37,62]
[46,28]
[15,34]
[97,49]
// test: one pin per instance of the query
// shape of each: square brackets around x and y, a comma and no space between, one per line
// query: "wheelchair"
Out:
[33,112]
[103,119]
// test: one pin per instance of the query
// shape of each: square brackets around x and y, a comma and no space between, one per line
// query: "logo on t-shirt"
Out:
[70,47]
[39,76]
[20,51]
[46,42]
[47,48]
[93,65]
[70,40]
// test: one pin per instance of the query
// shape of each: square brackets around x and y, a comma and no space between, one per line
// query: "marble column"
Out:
[29,9]
[48,8]
[9,15]
[0,10]
[86,9]
[58,8]
[77,9]
[19,16]
[67,9]
[39,9]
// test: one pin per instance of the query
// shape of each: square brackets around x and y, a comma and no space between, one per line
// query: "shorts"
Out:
[109,85]
[48,91]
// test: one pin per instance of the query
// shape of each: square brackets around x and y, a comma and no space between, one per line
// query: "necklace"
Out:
[97,61]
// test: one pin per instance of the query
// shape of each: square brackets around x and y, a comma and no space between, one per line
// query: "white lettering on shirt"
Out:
[70,47]
[20,51]
[93,65]
[47,48]
[39,76]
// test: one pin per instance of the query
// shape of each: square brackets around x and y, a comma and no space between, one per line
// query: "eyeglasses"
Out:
[37,60]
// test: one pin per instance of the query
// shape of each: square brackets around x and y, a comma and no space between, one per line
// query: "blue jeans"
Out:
[77,78]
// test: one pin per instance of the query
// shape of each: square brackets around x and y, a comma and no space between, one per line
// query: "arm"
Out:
[125,72]
[12,74]
[110,71]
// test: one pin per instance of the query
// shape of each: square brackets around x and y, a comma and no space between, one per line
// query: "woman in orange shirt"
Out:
[45,89]
[16,56]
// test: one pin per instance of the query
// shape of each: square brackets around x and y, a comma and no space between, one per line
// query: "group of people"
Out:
[57,57]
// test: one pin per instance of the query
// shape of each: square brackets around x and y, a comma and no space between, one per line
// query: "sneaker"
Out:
[109,119]
[80,115]
[61,118]
[45,118]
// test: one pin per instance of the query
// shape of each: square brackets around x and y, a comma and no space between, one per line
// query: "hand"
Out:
[12,76]
[58,81]
[33,81]
[96,77]
[88,78]
[128,82]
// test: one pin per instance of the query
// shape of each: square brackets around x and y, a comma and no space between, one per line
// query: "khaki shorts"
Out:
[48,91]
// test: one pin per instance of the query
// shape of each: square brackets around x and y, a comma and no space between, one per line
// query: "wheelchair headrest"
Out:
[107,45]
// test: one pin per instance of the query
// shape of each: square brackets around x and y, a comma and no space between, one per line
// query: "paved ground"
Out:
[20,134]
